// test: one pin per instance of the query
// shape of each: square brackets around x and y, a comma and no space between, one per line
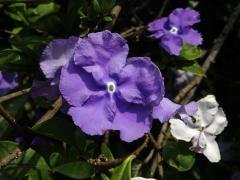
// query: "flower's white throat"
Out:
[173,30]
[111,87]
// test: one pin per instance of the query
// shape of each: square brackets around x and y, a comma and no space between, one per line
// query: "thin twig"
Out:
[113,163]
[115,13]
[106,137]
[50,113]
[7,116]
[16,153]
[14,95]
[133,31]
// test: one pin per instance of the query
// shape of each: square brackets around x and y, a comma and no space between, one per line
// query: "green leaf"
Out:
[77,170]
[70,134]
[104,177]
[190,52]
[43,10]
[194,68]
[96,6]
[11,60]
[106,151]
[124,170]
[106,5]
[179,156]
[53,128]
[107,18]
[30,45]
[6,147]
[29,164]
[55,159]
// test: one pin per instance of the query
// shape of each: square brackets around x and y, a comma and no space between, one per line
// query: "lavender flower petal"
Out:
[149,89]
[95,116]
[184,17]
[102,52]
[191,36]
[172,44]
[133,121]
[56,54]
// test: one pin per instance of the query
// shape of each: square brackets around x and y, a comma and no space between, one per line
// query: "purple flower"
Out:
[108,91]
[167,109]
[175,30]
[58,53]
[7,82]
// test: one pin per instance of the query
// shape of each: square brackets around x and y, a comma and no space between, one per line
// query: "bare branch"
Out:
[16,153]
[50,113]
[14,95]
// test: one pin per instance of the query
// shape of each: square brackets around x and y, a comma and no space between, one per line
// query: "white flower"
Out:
[141,178]
[202,128]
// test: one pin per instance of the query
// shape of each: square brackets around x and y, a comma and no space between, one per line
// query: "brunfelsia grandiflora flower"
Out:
[108,91]
[175,30]
[202,128]
[103,88]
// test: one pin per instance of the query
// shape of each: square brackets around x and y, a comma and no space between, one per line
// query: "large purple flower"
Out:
[107,90]
[58,53]
[175,30]
[7,82]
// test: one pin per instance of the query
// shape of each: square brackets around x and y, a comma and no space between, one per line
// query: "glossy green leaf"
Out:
[178,156]
[104,177]
[77,170]
[107,18]
[194,68]
[70,134]
[106,5]
[96,6]
[190,52]
[44,10]
[55,159]
[124,170]
[6,147]
[53,128]
[106,151]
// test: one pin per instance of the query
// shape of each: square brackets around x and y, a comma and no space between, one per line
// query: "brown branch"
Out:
[115,13]
[133,31]
[7,116]
[16,153]
[14,95]
[113,163]
[50,113]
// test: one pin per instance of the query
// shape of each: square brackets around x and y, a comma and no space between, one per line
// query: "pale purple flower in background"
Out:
[36,142]
[201,128]
[8,81]
[57,53]
[108,91]
[182,78]
[175,30]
